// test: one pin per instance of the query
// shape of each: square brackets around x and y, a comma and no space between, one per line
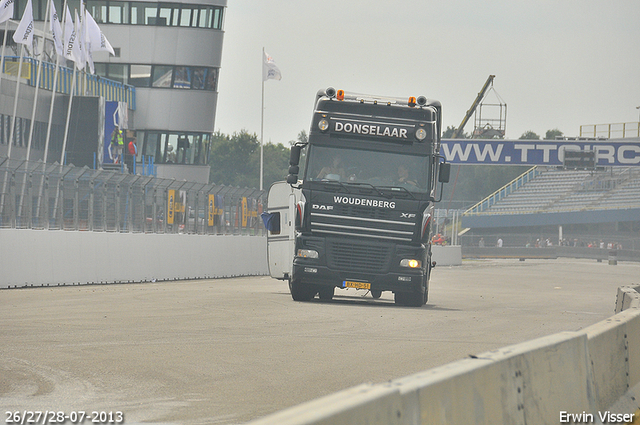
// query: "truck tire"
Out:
[326,292]
[300,291]
[415,298]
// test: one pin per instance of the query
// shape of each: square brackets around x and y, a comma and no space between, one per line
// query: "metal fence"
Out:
[34,195]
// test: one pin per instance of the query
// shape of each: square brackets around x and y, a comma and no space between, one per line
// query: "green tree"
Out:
[448,133]
[231,159]
[276,163]
[235,160]
[529,135]
[552,134]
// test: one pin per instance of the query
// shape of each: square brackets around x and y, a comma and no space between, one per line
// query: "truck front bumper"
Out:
[396,281]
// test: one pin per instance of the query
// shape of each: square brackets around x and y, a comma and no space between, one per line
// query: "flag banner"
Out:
[24,32]
[269,69]
[99,42]
[82,40]
[56,29]
[6,10]
[85,41]
[71,47]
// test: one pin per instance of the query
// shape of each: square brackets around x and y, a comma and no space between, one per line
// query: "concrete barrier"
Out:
[550,253]
[43,257]
[590,376]
[450,255]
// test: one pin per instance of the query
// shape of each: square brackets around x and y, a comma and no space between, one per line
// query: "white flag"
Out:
[56,29]
[269,69]
[85,41]
[99,42]
[24,32]
[6,10]
[71,45]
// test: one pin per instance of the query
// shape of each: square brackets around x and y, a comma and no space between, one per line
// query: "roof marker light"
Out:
[340,95]
[412,101]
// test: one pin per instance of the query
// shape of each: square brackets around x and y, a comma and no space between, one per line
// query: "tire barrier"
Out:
[589,376]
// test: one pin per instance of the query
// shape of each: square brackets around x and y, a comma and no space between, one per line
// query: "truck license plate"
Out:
[357,285]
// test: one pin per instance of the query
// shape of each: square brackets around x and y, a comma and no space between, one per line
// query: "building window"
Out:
[198,78]
[140,75]
[118,12]
[176,147]
[98,10]
[162,76]
[182,78]
[135,13]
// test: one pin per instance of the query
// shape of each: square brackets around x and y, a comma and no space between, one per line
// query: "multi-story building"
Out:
[171,53]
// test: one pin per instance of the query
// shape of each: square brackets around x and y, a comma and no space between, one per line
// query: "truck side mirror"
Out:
[445,172]
[294,169]
[294,156]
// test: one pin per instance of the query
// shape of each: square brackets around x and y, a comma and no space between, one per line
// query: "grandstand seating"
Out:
[554,190]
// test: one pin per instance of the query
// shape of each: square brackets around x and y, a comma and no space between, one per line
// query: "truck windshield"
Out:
[379,169]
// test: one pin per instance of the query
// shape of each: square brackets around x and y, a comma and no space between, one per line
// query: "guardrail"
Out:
[34,195]
[590,376]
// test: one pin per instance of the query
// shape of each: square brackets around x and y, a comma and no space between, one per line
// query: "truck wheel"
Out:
[412,299]
[301,292]
[326,292]
[426,290]
[376,294]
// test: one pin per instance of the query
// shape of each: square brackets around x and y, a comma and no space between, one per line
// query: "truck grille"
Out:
[349,256]
[362,227]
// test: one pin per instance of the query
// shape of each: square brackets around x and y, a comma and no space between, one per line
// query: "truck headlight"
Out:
[323,125]
[411,263]
[307,253]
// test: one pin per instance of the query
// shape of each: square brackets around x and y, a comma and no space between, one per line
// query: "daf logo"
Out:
[407,215]
[322,207]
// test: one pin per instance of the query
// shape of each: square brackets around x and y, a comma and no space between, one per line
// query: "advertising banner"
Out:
[538,152]
[171,205]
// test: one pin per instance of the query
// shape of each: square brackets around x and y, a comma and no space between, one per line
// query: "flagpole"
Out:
[4,44]
[49,123]
[13,124]
[15,101]
[54,90]
[262,124]
[66,126]
[38,74]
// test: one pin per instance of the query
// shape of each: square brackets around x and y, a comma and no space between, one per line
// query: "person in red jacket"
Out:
[133,149]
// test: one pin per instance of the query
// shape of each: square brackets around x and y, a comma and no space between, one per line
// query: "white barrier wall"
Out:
[449,255]
[570,377]
[44,257]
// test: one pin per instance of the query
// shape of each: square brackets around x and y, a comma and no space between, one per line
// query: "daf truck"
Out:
[356,211]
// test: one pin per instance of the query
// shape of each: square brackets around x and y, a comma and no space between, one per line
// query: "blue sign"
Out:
[538,152]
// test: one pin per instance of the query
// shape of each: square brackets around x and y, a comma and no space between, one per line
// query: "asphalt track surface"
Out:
[230,350]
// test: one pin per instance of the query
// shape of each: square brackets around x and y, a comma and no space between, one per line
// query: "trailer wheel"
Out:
[300,291]
[326,292]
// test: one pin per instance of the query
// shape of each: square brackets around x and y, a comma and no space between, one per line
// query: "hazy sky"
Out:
[558,63]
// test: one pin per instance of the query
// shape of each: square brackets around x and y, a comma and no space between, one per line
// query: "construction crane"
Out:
[458,131]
